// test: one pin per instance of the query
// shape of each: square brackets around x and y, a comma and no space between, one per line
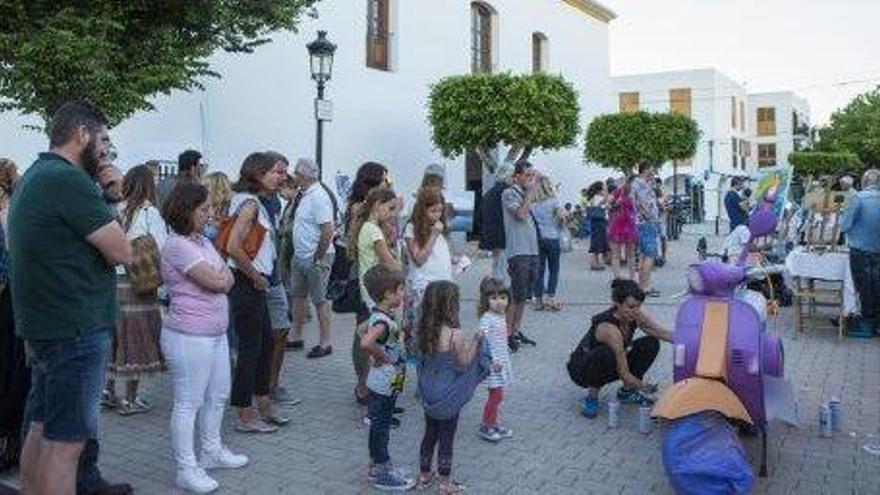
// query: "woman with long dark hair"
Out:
[135,351]
[248,298]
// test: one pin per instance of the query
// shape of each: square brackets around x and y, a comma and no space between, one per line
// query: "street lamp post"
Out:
[321,52]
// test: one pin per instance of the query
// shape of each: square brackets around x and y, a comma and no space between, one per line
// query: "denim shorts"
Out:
[67,377]
[648,240]
[279,310]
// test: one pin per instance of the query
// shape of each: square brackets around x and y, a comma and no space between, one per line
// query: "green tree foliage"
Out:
[824,163]
[525,112]
[855,129]
[622,140]
[118,53]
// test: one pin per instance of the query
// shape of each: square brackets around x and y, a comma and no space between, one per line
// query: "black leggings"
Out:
[442,430]
[600,365]
[250,315]
[865,267]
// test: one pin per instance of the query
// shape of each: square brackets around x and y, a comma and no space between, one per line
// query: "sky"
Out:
[826,51]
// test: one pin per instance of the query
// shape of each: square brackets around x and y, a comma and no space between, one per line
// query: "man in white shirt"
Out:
[313,226]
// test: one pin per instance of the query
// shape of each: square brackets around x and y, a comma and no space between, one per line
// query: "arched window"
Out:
[540,55]
[378,17]
[481,37]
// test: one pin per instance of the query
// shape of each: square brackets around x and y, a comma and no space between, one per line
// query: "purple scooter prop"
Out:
[722,348]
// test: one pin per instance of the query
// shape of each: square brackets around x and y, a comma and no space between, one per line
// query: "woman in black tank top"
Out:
[609,351]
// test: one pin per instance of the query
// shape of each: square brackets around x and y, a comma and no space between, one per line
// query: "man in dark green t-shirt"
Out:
[63,244]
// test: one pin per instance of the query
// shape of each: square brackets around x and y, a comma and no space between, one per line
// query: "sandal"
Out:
[129,408]
[451,487]
[274,419]
[255,426]
[424,481]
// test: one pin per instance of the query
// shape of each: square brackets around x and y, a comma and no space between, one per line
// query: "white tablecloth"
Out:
[825,266]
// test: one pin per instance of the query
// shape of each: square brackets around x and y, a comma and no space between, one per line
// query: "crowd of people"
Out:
[108,280]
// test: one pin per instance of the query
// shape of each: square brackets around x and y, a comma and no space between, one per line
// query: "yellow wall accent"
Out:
[593,9]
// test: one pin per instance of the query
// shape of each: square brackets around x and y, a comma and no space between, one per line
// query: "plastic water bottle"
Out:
[834,406]
[646,424]
[613,414]
[825,428]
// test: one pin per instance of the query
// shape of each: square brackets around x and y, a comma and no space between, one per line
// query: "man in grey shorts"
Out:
[521,249]
[313,226]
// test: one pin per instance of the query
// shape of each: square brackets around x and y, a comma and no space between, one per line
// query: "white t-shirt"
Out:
[438,266]
[264,261]
[315,209]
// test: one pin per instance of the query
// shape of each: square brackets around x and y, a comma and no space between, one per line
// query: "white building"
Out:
[782,125]
[739,130]
[389,53]
[719,106]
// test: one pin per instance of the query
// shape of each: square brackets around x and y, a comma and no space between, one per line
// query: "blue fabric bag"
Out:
[445,388]
[702,455]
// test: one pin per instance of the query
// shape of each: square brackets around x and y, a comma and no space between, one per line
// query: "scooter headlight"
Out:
[695,280]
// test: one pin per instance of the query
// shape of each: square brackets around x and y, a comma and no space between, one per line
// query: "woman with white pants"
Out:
[194,338]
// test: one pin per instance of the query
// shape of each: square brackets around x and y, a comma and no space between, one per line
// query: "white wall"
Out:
[710,108]
[785,102]
[265,99]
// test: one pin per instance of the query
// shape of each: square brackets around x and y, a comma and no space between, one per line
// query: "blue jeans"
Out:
[380,409]
[67,377]
[548,257]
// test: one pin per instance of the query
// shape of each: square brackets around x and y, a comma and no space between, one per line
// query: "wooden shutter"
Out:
[629,102]
[680,101]
[766,121]
[377,34]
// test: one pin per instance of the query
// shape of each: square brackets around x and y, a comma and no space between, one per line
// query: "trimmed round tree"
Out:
[479,112]
[816,163]
[622,140]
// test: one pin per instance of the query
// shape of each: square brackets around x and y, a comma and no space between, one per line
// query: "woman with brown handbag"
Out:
[248,238]
[134,351]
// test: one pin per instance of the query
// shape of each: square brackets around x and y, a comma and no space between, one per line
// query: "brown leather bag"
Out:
[252,241]
[143,271]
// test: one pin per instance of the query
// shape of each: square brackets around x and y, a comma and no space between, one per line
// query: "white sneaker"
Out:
[196,480]
[222,459]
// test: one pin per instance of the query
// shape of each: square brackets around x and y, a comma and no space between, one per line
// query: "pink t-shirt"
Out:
[194,309]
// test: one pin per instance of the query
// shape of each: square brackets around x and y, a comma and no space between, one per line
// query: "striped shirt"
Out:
[494,327]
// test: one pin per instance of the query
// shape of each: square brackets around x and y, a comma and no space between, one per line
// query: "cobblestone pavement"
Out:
[555,449]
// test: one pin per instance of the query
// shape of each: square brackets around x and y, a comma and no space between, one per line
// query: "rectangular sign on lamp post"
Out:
[324,110]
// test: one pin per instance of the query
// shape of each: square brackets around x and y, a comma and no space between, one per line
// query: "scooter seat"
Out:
[696,394]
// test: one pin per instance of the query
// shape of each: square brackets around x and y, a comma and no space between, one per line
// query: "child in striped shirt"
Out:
[494,297]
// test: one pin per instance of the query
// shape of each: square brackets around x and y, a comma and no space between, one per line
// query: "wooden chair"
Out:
[811,294]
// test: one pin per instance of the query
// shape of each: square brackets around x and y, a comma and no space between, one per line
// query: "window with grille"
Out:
[629,102]
[539,52]
[767,155]
[733,112]
[481,38]
[766,121]
[378,34]
[680,101]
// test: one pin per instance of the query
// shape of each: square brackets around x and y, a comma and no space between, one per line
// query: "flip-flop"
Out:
[256,426]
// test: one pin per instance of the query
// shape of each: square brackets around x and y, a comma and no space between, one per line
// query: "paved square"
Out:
[555,449]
